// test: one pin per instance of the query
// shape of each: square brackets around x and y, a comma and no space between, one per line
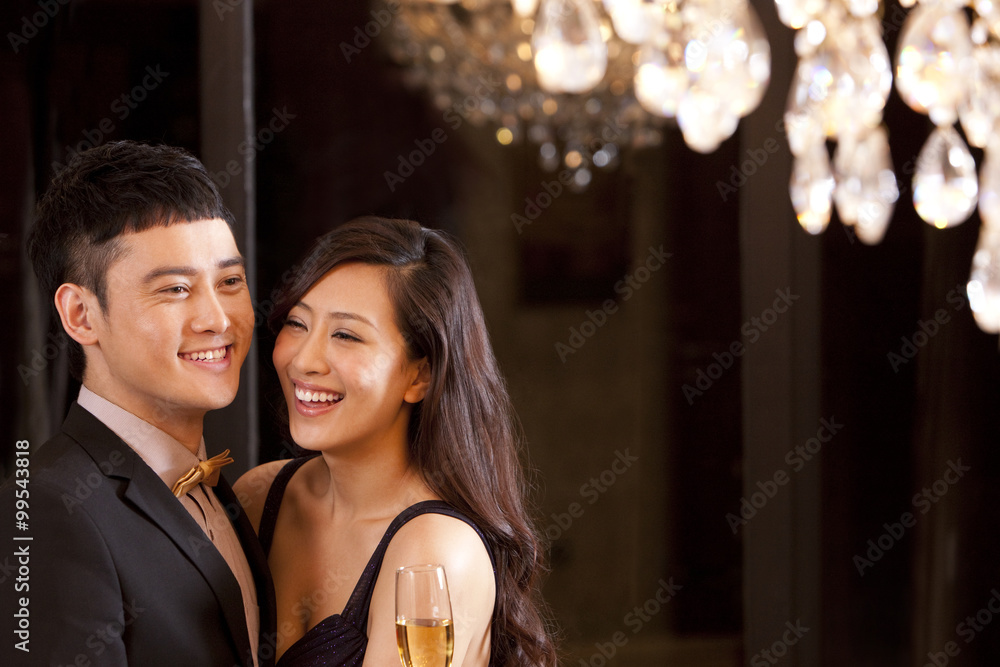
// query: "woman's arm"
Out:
[436,538]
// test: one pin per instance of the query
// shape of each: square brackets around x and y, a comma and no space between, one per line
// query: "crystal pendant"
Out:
[981,108]
[570,55]
[803,123]
[848,78]
[944,185]
[862,8]
[869,65]
[756,65]
[526,8]
[659,85]
[984,282]
[989,186]
[796,13]
[634,21]
[866,191]
[705,120]
[989,10]
[729,55]
[811,189]
[932,65]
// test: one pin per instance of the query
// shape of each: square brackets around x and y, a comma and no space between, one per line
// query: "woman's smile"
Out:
[312,401]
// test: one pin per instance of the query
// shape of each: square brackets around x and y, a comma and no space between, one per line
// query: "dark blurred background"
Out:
[203,75]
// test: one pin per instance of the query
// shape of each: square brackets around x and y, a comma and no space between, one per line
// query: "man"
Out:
[132,559]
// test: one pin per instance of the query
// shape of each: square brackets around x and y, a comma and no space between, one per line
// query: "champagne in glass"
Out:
[425,635]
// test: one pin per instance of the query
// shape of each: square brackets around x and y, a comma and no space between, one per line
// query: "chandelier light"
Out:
[584,80]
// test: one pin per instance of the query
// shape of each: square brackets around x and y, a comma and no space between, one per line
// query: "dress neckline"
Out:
[363,588]
[339,640]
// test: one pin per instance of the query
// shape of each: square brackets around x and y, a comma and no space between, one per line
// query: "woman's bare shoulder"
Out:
[438,538]
[251,489]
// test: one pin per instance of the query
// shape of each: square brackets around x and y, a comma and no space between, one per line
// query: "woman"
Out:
[391,384]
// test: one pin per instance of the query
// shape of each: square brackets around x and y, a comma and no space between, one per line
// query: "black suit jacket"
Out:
[117,570]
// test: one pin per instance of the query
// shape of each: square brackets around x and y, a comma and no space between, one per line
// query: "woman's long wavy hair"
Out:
[463,437]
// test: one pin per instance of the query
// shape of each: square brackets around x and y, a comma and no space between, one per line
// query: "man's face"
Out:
[177,325]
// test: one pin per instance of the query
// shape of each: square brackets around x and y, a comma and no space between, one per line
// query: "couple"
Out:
[142,554]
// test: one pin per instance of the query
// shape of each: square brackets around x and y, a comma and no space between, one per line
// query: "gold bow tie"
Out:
[206,472]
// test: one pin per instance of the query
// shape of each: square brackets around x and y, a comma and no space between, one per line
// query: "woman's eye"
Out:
[343,335]
[295,324]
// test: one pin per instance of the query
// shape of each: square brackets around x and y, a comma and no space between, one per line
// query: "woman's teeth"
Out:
[317,396]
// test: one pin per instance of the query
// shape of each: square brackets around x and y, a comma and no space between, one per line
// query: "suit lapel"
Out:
[152,497]
[258,565]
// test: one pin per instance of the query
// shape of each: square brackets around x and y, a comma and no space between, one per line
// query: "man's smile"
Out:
[217,354]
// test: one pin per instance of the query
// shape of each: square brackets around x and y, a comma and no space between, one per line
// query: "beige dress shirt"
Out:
[170,459]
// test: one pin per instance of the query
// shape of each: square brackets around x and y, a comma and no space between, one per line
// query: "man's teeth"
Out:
[317,396]
[205,355]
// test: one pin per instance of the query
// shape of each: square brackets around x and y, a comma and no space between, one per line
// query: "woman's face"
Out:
[343,366]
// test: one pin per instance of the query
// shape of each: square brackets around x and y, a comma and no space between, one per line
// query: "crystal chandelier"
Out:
[584,79]
[948,68]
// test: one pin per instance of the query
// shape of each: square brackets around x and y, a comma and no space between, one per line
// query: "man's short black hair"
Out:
[118,188]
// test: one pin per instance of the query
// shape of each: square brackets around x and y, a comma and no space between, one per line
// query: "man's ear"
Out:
[77,307]
[421,383]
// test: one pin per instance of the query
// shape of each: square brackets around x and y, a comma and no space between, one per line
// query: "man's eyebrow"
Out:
[189,271]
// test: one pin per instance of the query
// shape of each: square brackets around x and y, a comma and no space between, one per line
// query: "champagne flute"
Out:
[425,635]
